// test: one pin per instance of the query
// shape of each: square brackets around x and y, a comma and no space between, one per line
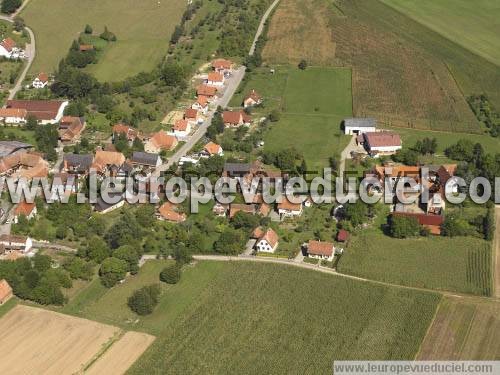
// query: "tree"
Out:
[454,226]
[176,35]
[112,271]
[403,226]
[302,64]
[274,116]
[41,263]
[145,215]
[78,268]
[182,254]
[144,300]
[129,255]
[356,213]
[10,6]
[88,29]
[97,249]
[173,74]
[107,35]
[231,241]
[244,220]
[19,24]
[47,138]
[31,123]
[171,274]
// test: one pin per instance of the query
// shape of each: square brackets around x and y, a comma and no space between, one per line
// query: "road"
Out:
[30,53]
[260,29]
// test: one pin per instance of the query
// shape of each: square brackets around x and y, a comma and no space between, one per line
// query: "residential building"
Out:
[210,92]
[77,163]
[432,223]
[237,207]
[181,129]
[116,201]
[11,242]
[359,125]
[25,209]
[215,79]
[45,111]
[320,250]
[287,209]
[108,162]
[10,147]
[168,212]
[267,240]
[201,104]
[145,159]
[252,99]
[160,141]
[5,291]
[222,66]
[193,116]
[121,129]
[24,165]
[235,119]
[41,81]
[9,49]
[70,129]
[13,116]
[211,149]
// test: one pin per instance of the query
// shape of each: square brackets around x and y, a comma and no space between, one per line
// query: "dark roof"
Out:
[360,122]
[144,158]
[9,147]
[101,205]
[79,162]
[237,167]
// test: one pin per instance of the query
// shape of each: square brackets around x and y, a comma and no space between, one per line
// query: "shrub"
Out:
[403,226]
[171,274]
[144,300]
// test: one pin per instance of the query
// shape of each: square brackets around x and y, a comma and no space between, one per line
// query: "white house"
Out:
[201,104]
[321,250]
[267,241]
[215,79]
[19,243]
[359,125]
[289,209]
[212,149]
[382,143]
[13,116]
[41,81]
[181,129]
[253,98]
[45,111]
[193,117]
[24,209]
[9,49]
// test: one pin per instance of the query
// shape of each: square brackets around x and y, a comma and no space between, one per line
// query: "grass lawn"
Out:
[461,264]
[19,134]
[143,29]
[471,24]
[264,318]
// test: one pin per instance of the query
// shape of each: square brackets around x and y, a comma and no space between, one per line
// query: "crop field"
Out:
[459,264]
[299,30]
[471,24]
[261,318]
[463,329]
[49,342]
[314,103]
[143,29]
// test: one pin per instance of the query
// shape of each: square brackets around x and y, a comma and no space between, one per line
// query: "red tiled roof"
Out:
[43,77]
[180,125]
[13,112]
[191,114]
[320,248]
[41,109]
[222,64]
[206,90]
[236,207]
[8,44]
[215,77]
[287,205]
[342,235]
[382,139]
[212,148]
[163,141]
[254,96]
[167,211]
[24,208]
[5,290]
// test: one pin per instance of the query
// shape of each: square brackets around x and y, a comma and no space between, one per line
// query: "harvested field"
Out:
[463,329]
[299,30]
[39,341]
[122,354]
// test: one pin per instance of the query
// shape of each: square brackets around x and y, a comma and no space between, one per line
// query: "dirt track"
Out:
[36,341]
[122,354]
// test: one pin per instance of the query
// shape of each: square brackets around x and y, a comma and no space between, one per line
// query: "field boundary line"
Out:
[469,329]
[107,345]
[427,332]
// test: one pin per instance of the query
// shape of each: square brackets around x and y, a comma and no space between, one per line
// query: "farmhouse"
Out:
[23,165]
[253,98]
[212,149]
[235,118]
[222,66]
[160,141]
[237,207]
[289,209]
[236,169]
[267,240]
[381,143]
[70,129]
[11,243]
[77,163]
[5,291]
[13,116]
[215,79]
[359,125]
[45,111]
[28,210]
[41,81]
[320,250]
[145,159]
[105,160]
[9,49]
[207,91]
[168,212]
[181,129]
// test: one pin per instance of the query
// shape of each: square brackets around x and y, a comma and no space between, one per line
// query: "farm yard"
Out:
[140,46]
[250,317]
[463,329]
[50,342]
[471,24]
[458,264]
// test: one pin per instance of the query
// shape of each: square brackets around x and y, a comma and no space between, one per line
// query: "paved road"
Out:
[260,29]
[30,53]
[232,85]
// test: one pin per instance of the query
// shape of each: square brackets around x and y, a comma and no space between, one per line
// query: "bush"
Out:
[404,226]
[144,300]
[171,274]
[302,64]
[10,6]
[108,35]
[88,29]
[112,271]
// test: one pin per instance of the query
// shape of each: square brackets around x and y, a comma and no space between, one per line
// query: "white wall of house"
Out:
[264,246]
[13,120]
[350,130]
[289,213]
[386,149]
[37,84]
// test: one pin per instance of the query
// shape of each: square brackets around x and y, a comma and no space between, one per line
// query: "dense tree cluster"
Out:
[404,226]
[144,300]
[10,6]
[485,112]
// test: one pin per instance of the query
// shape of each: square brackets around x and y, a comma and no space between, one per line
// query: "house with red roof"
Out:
[287,209]
[193,116]
[320,250]
[45,111]
[267,240]
[212,149]
[222,66]
[201,104]
[5,291]
[169,212]
[121,129]
[381,143]
[252,99]
[25,209]
[342,235]
[209,92]
[181,129]
[41,81]
[234,119]
[215,79]
[9,49]
[160,141]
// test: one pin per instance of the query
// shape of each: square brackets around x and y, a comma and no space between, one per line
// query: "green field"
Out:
[461,264]
[262,318]
[314,103]
[143,29]
[471,24]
